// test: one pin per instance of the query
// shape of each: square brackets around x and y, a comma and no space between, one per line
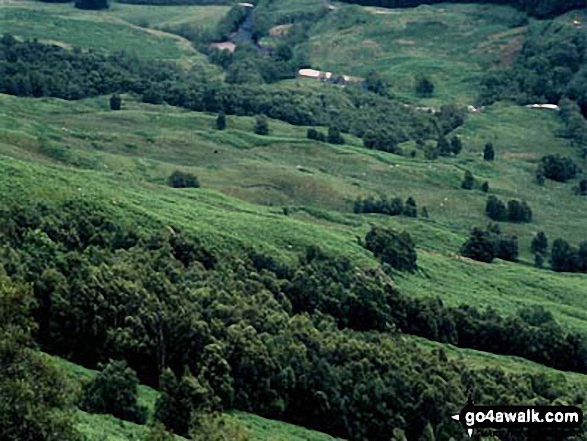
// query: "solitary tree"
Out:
[424,87]
[456,145]
[539,244]
[485,187]
[221,120]
[261,125]
[489,152]
[334,136]
[410,208]
[115,102]
[468,181]
[114,391]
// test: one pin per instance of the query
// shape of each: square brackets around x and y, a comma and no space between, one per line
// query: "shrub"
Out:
[395,249]
[424,87]
[114,391]
[334,136]
[115,102]
[179,179]
[468,181]
[558,168]
[221,121]
[489,152]
[261,125]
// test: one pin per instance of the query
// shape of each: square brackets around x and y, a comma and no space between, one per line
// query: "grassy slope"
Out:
[452,44]
[108,428]
[113,30]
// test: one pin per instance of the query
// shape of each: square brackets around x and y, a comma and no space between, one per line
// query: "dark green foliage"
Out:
[456,145]
[393,207]
[375,83]
[485,187]
[563,257]
[540,178]
[115,102]
[261,125]
[489,152]
[221,121]
[157,432]
[181,400]
[558,168]
[449,118]
[92,4]
[410,209]
[519,211]
[35,395]
[424,87]
[540,244]
[424,213]
[217,427]
[334,136]
[380,140]
[114,391]
[316,135]
[468,181]
[179,179]
[515,211]
[393,248]
[479,246]
[487,245]
[443,146]
[581,189]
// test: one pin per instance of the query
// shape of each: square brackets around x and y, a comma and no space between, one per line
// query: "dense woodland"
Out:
[287,337]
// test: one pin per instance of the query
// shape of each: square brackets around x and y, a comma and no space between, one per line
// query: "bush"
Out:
[179,179]
[334,136]
[395,249]
[261,125]
[221,121]
[92,4]
[558,168]
[515,211]
[114,391]
[468,181]
[115,102]
[486,245]
[488,152]
[424,87]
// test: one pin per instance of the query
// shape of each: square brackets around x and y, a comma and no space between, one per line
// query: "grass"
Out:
[112,30]
[451,44]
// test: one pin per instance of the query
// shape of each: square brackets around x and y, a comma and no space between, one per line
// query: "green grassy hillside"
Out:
[282,193]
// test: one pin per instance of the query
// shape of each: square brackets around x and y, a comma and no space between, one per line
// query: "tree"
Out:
[179,179]
[221,120]
[181,400]
[115,102]
[468,181]
[581,189]
[507,248]
[218,427]
[35,395]
[485,187]
[410,208]
[425,213]
[456,145]
[479,246]
[496,209]
[539,244]
[395,249]
[519,211]
[443,146]
[261,125]
[92,4]
[424,87]
[375,83]
[157,432]
[488,152]
[563,258]
[334,136]
[114,391]
[558,168]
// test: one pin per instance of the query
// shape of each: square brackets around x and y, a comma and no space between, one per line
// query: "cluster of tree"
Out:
[393,248]
[333,137]
[35,69]
[541,9]
[550,67]
[515,211]
[487,245]
[92,4]
[557,167]
[180,179]
[539,248]
[393,207]
[240,329]
[446,148]
[35,396]
[567,258]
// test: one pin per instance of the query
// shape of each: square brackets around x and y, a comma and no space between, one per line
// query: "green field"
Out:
[451,44]
[114,30]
